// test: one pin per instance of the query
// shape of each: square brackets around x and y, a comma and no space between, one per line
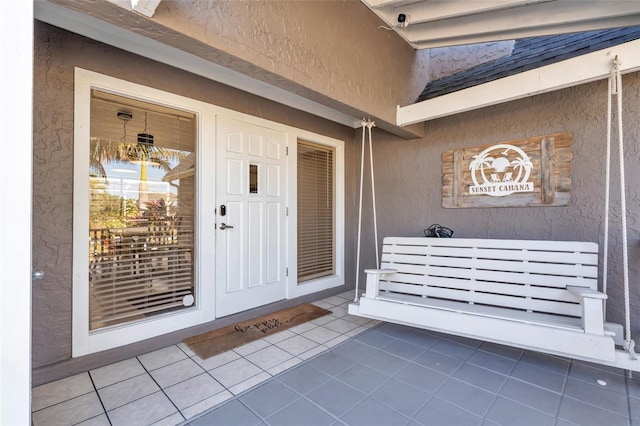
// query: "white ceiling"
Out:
[436,23]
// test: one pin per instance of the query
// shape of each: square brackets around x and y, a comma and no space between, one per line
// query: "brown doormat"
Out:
[223,339]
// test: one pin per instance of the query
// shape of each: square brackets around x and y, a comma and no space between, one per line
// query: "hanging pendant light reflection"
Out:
[144,137]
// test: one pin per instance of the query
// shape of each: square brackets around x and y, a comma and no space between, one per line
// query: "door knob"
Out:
[37,275]
[224,226]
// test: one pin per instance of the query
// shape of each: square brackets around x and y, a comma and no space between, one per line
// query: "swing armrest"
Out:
[373,280]
[592,308]
[584,292]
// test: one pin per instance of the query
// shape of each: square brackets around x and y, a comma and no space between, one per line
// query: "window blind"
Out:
[316,212]
[141,208]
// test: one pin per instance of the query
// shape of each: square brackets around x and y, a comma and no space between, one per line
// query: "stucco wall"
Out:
[408,179]
[56,53]
[333,52]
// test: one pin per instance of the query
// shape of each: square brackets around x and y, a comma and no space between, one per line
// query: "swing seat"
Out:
[538,295]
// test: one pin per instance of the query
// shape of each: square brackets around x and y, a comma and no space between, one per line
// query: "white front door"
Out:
[251,196]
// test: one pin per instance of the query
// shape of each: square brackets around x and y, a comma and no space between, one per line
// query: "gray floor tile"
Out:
[335,397]
[506,412]
[480,377]
[496,363]
[304,379]
[445,364]
[375,338]
[372,413]
[354,350]
[331,363]
[300,413]
[363,378]
[404,350]
[231,413]
[533,396]
[269,398]
[634,410]
[634,386]
[385,362]
[539,377]
[590,375]
[598,396]
[583,414]
[466,396]
[437,412]
[502,350]
[454,349]
[421,377]
[100,420]
[401,397]
[550,362]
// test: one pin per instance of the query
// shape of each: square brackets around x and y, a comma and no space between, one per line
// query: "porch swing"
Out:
[535,295]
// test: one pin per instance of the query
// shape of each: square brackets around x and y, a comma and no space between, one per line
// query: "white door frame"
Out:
[85,342]
[16,85]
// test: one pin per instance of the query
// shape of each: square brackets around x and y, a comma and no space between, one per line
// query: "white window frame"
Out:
[84,341]
[338,278]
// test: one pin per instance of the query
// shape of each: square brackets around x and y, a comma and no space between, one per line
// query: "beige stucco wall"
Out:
[332,52]
[408,178]
[56,54]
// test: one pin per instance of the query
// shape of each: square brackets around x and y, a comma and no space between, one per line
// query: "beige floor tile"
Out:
[217,360]
[127,391]
[235,372]
[59,391]
[100,420]
[193,390]
[172,420]
[249,383]
[279,337]
[186,349]
[204,405]
[117,372]
[334,300]
[269,357]
[331,343]
[303,328]
[313,352]
[143,412]
[297,345]
[160,358]
[320,334]
[341,325]
[176,373]
[69,412]
[292,362]
[249,348]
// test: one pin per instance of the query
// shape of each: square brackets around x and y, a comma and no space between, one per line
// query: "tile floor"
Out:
[344,370]
[171,385]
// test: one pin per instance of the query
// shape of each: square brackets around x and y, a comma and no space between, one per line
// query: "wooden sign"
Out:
[521,173]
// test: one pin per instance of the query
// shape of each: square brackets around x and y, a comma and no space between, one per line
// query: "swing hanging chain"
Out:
[616,83]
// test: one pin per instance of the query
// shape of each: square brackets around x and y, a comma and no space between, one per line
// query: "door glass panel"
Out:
[253,178]
[141,210]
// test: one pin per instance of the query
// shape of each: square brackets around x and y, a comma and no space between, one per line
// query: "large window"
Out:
[316,211]
[141,210]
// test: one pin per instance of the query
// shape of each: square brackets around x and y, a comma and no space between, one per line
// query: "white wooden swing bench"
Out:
[539,295]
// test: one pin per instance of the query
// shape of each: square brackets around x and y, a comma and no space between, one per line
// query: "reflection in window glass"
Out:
[141,210]
[253,179]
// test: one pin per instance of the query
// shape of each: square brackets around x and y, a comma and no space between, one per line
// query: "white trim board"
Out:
[571,72]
